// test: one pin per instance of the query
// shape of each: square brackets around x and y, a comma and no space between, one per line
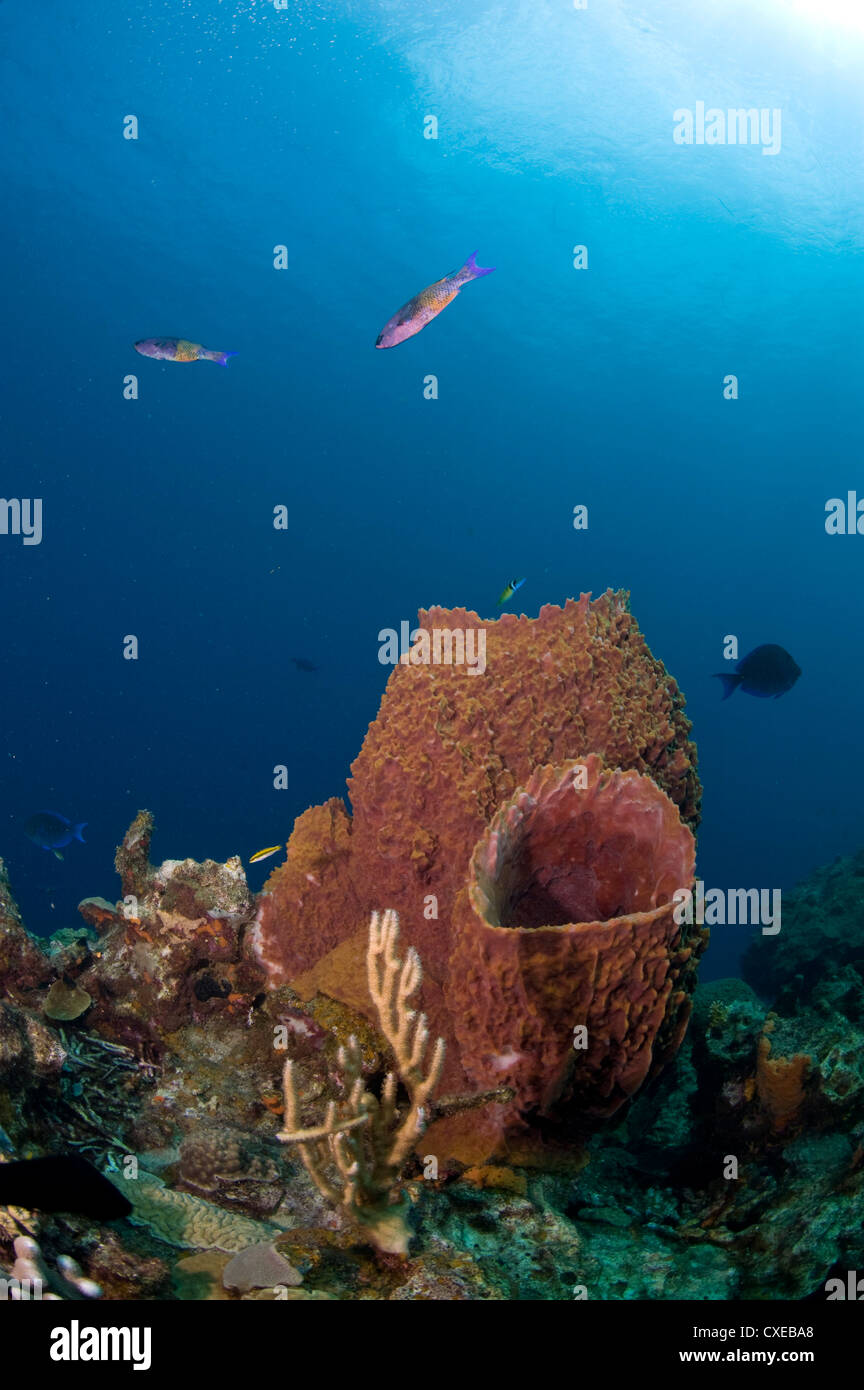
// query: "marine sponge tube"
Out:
[573,978]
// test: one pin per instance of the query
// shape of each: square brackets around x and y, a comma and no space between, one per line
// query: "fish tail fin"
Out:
[730,683]
[223,357]
[472,271]
[78,831]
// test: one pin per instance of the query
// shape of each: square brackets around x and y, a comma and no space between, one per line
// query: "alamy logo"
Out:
[16,1290]
[76,1343]
[735,126]
[845,518]
[21,516]
[853,1288]
[440,646]
[721,907]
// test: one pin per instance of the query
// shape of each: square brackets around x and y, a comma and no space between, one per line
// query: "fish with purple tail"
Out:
[426,305]
[180,350]
[53,832]
[767,672]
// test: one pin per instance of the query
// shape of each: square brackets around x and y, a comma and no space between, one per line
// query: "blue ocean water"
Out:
[303,127]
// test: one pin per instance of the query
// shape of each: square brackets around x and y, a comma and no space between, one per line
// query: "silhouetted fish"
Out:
[53,832]
[61,1182]
[767,672]
[302,664]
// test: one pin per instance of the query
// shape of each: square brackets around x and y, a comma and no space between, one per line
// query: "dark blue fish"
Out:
[53,832]
[302,663]
[767,672]
[61,1183]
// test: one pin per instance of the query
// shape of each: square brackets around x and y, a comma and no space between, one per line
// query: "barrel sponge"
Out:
[568,923]
[450,745]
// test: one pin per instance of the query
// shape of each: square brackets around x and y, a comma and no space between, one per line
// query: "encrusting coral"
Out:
[366,1139]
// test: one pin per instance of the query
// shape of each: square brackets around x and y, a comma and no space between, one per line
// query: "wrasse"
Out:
[426,305]
[265,853]
[508,593]
[180,350]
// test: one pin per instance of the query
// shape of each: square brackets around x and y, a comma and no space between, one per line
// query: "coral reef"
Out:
[734,1171]
[364,1138]
[22,962]
[823,923]
[259,1267]
[65,1001]
[189,1222]
[447,754]
[31,1276]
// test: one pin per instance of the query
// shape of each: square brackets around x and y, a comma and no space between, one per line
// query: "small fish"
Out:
[508,593]
[180,350]
[53,832]
[426,305]
[302,664]
[766,672]
[265,853]
[61,1182]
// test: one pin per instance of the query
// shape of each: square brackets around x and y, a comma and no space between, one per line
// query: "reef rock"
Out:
[171,952]
[24,966]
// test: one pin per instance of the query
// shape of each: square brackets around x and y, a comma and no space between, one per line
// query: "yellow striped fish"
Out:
[265,853]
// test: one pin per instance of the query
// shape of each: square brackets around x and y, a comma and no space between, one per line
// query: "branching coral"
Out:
[30,1276]
[366,1140]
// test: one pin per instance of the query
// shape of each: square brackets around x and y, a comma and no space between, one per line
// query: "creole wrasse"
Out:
[180,350]
[508,593]
[426,305]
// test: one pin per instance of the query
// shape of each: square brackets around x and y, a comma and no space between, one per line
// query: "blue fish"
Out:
[53,832]
[766,672]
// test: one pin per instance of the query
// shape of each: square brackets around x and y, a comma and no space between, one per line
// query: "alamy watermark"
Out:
[22,516]
[735,126]
[722,907]
[845,517]
[438,646]
[77,1343]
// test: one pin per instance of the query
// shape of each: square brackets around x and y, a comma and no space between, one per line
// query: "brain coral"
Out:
[178,1218]
[447,750]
